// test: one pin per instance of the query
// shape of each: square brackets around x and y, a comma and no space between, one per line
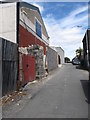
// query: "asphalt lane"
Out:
[62,96]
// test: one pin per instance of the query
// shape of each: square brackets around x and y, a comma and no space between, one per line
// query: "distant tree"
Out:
[79,53]
[67,59]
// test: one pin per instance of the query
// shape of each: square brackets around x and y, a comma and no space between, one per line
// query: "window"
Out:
[38,29]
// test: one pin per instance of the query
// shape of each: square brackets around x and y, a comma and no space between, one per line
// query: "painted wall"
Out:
[61,53]
[51,59]
[26,38]
[8,21]
[28,68]
[28,16]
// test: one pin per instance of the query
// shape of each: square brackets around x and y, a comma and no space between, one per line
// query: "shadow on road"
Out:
[86,89]
[81,67]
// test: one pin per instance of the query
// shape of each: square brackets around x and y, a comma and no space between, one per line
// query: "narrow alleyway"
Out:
[62,96]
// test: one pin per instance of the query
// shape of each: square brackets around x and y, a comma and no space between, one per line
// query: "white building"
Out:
[61,54]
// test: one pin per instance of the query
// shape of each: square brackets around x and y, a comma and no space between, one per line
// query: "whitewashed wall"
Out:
[8,21]
[61,53]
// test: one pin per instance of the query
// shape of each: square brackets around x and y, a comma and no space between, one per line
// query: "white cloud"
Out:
[52,0]
[79,10]
[72,20]
[62,33]
[57,0]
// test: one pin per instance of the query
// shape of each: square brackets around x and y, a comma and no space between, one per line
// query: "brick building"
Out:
[22,24]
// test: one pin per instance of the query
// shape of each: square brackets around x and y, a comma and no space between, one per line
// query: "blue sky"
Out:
[61,20]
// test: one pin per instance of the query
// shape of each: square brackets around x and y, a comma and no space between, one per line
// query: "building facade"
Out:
[60,55]
[86,48]
[32,26]
[21,23]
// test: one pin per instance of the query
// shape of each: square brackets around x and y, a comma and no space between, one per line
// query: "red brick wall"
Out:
[26,38]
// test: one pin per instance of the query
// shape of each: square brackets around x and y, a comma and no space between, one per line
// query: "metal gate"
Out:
[28,63]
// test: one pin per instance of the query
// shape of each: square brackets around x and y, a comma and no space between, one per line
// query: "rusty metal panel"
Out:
[28,68]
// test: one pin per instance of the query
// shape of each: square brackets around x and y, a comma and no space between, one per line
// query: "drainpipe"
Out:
[18,84]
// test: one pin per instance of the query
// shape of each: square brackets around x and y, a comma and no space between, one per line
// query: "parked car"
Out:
[76,61]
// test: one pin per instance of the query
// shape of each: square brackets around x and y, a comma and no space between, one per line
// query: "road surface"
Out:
[61,96]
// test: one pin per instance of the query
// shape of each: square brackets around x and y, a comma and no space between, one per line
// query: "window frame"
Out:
[36,20]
